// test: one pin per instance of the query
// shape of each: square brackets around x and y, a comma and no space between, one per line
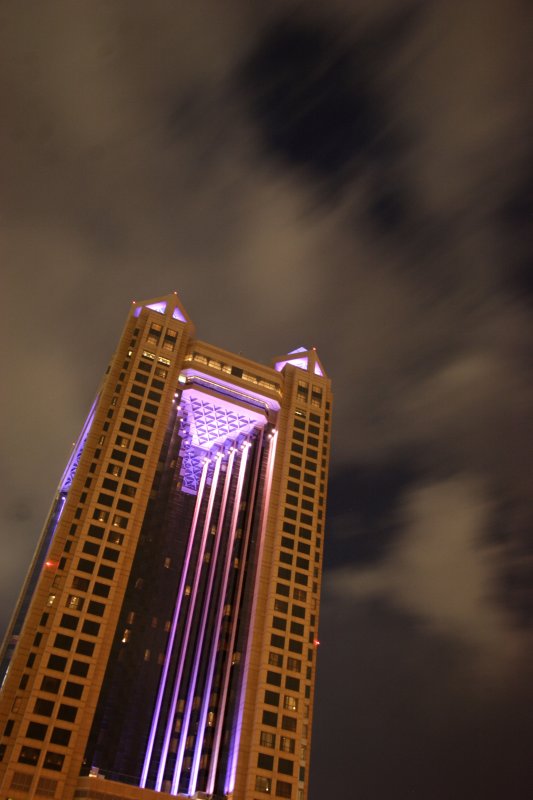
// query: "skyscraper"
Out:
[165,639]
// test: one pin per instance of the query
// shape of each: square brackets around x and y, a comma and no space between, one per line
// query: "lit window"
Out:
[74,601]
[290,702]
[286,744]
[267,739]
[263,784]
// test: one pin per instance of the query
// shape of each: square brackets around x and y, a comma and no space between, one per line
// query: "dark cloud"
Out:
[312,99]
[517,220]
[410,714]
[364,521]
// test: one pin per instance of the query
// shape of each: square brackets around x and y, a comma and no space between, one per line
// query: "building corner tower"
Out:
[165,639]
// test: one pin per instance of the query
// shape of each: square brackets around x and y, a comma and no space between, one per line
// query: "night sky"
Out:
[355,176]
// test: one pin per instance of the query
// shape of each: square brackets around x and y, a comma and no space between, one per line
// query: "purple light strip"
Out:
[72,465]
[172,632]
[216,632]
[192,679]
[207,603]
[186,633]
[234,749]
[240,582]
[200,640]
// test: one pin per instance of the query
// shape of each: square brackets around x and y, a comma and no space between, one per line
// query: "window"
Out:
[96,531]
[298,611]
[79,668]
[285,766]
[286,744]
[36,730]
[46,787]
[297,628]
[50,684]
[57,663]
[270,718]
[277,641]
[283,589]
[69,621]
[84,565]
[85,648]
[105,499]
[53,760]
[22,780]
[281,605]
[294,664]
[274,678]
[276,659]
[288,723]
[29,755]
[101,590]
[265,762]
[283,789]
[43,707]
[90,628]
[290,702]
[96,608]
[287,542]
[60,736]
[132,475]
[110,554]
[271,698]
[74,690]
[67,713]
[63,642]
[106,572]
[267,739]
[263,784]
[292,683]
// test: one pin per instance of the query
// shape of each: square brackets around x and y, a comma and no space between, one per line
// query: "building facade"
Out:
[165,639]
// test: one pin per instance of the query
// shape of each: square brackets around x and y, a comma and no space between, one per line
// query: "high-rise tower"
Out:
[165,639]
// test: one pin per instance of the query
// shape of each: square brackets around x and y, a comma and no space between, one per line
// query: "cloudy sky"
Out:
[355,175]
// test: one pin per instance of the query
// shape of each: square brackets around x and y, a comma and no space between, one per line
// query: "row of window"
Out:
[264,784]
[21,781]
[306,393]
[169,336]
[238,372]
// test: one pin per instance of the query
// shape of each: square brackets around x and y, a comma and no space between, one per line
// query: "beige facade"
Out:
[237,719]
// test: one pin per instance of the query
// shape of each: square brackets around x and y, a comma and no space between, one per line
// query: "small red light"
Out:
[316,642]
[51,564]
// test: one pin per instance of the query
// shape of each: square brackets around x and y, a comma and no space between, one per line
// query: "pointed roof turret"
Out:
[302,358]
[168,304]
